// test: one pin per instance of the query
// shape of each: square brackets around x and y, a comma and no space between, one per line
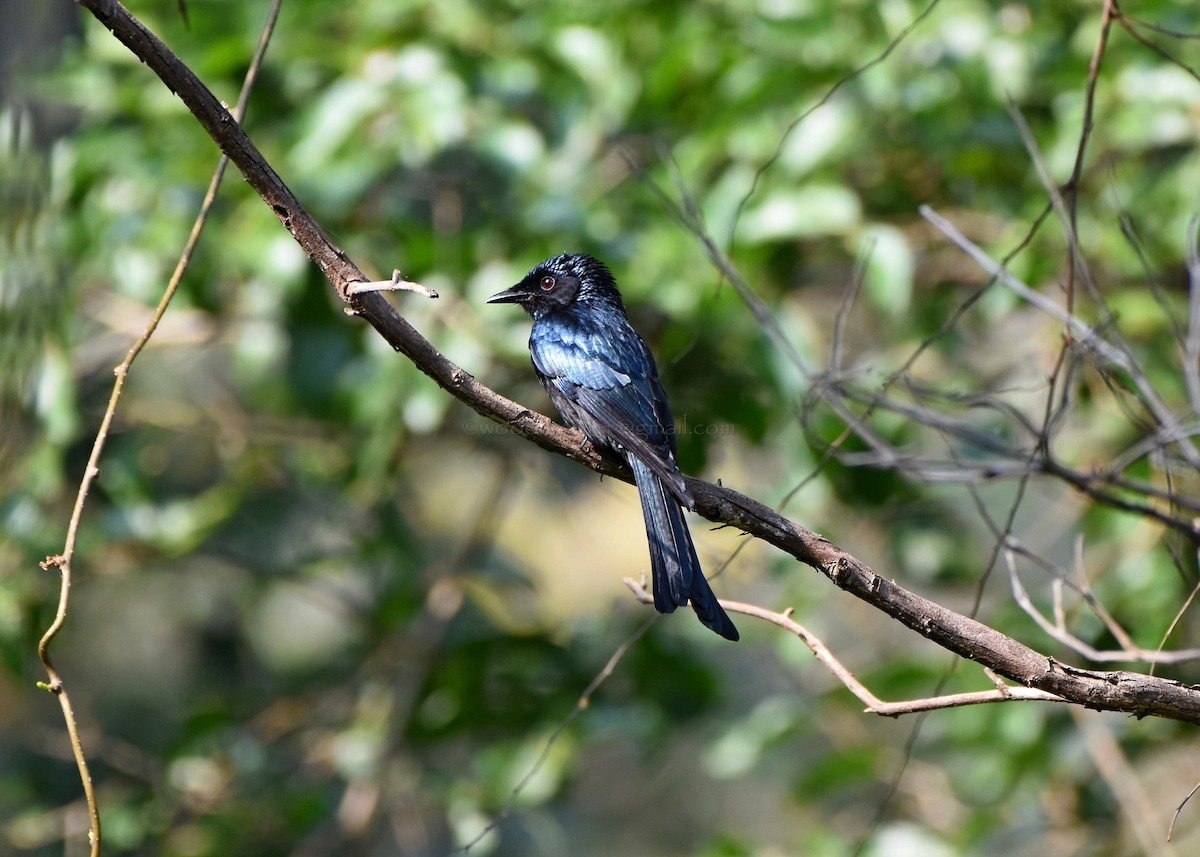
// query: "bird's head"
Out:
[560,282]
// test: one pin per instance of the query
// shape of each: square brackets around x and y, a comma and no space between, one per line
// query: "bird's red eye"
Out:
[547,283]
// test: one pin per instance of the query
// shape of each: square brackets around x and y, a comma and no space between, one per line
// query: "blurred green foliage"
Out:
[320,608]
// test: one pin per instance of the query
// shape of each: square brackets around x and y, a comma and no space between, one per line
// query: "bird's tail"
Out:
[675,568]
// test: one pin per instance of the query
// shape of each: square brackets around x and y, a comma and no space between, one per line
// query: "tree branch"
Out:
[1001,692]
[1119,691]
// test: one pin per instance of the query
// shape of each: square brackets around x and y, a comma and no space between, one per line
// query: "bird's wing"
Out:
[607,386]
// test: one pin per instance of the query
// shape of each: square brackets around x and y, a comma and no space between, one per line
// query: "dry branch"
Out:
[1001,692]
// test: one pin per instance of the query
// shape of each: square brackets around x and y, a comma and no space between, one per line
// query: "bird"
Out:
[602,378]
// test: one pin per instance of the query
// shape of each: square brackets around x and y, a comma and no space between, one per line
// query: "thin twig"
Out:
[1159,49]
[821,102]
[1057,630]
[92,469]
[1150,398]
[874,705]
[1158,28]
[581,705]
[1079,329]
[853,286]
[686,214]
[1007,461]
[396,284]
[1179,809]
[1071,190]
[1191,348]
[1089,597]
[1183,608]
[1117,357]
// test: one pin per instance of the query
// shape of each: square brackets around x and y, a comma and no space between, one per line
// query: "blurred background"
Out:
[322,608]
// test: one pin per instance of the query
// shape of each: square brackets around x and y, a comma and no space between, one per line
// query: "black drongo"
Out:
[602,378]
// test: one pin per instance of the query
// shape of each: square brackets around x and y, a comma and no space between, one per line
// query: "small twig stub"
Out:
[396,284]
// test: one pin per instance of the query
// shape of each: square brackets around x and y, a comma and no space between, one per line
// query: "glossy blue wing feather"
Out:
[611,376]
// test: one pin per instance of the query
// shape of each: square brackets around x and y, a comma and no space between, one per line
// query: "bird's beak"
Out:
[515,295]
